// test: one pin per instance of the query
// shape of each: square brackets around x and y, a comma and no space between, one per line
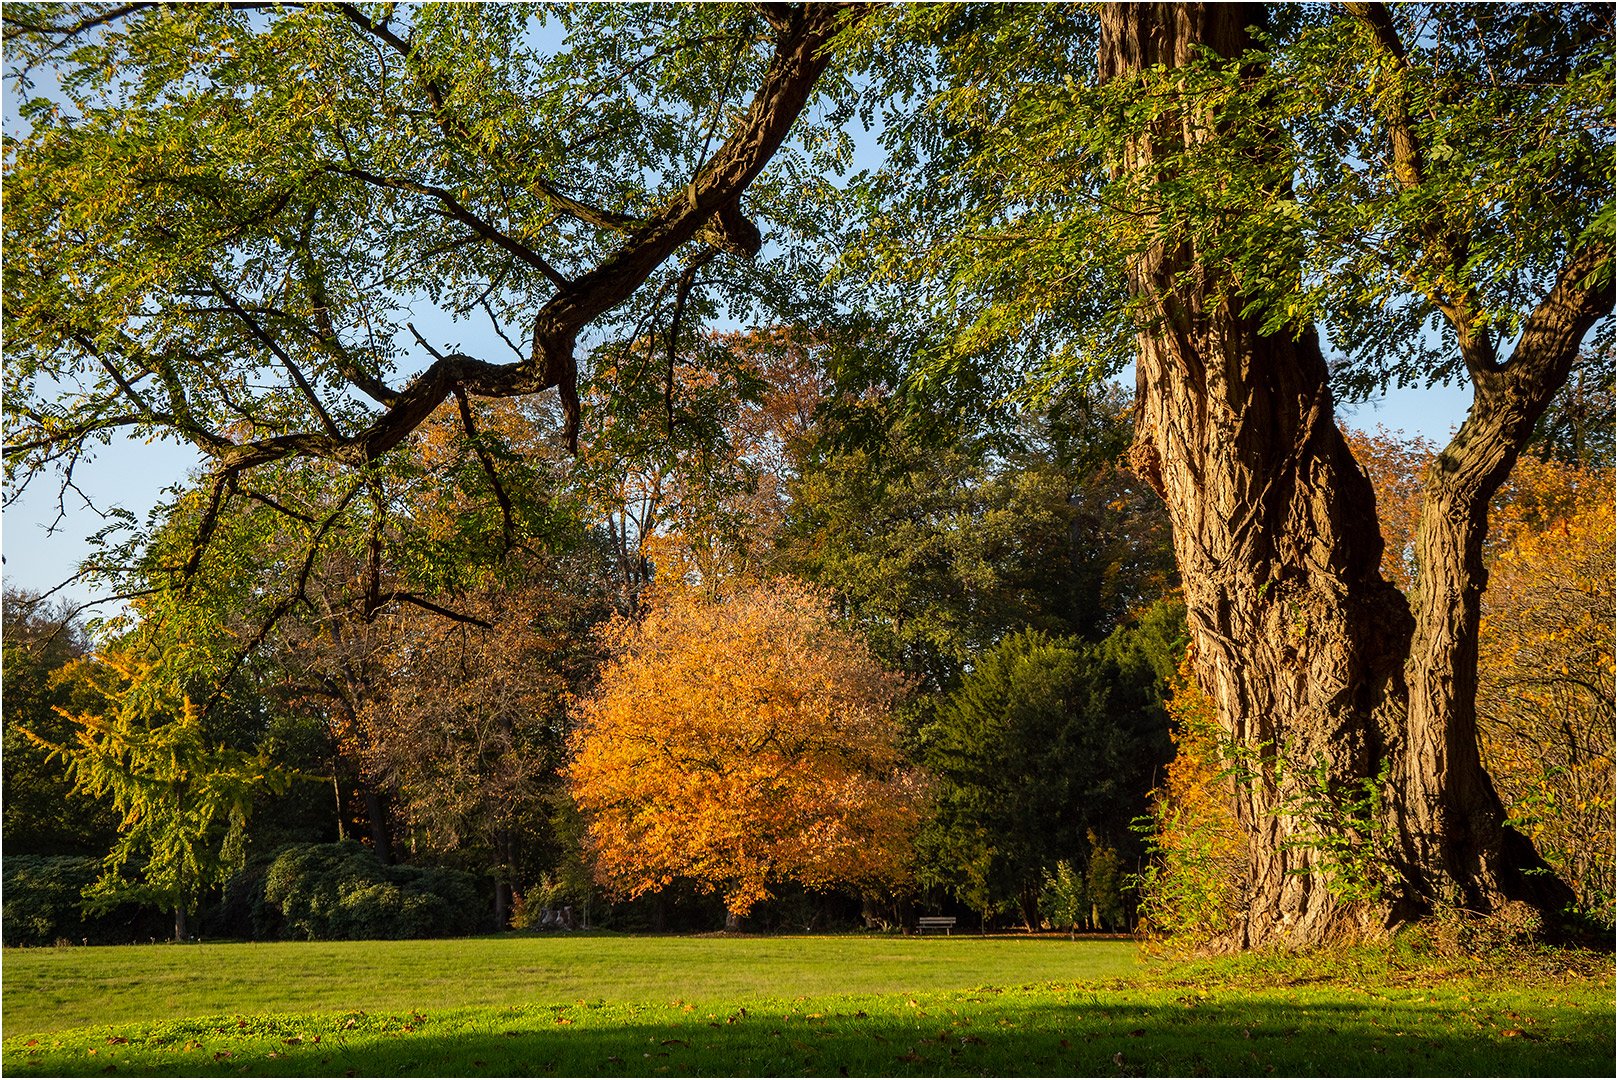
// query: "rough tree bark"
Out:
[1325,678]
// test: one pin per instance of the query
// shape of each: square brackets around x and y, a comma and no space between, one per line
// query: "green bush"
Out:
[1063,900]
[342,891]
[43,895]
[44,904]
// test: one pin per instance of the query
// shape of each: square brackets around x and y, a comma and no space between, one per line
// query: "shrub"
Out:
[1063,900]
[43,895]
[343,891]
[242,911]
[1190,890]
[44,903]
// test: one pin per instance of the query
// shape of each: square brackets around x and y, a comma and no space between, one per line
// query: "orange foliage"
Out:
[1190,890]
[1538,494]
[1546,664]
[740,743]
[1395,465]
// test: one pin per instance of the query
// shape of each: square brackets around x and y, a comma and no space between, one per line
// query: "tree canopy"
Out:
[1411,180]
[222,222]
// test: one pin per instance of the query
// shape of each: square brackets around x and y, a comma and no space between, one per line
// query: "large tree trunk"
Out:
[1301,643]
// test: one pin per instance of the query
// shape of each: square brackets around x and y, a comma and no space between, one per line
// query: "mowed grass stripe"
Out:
[54,989]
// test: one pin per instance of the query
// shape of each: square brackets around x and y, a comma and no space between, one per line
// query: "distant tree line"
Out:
[423,694]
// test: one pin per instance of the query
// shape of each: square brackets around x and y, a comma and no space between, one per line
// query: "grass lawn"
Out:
[791,1006]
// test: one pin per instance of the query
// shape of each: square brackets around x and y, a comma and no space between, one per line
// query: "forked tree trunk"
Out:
[1302,644]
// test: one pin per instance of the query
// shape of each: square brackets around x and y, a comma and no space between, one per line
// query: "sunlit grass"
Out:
[960,1006]
[49,989]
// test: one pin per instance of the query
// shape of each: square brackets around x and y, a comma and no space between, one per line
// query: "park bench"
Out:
[946,923]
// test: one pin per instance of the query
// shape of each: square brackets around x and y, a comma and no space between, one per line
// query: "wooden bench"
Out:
[946,923]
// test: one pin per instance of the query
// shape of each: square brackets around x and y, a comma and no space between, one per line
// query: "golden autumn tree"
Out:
[1546,671]
[741,743]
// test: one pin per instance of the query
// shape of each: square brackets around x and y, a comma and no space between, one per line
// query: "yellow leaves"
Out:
[1546,661]
[740,742]
[1198,848]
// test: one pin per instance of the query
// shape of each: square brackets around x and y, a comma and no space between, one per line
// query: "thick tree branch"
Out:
[1509,400]
[782,94]
[713,196]
[779,16]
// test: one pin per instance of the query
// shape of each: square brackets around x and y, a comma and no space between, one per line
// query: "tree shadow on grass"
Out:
[1014,1033]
